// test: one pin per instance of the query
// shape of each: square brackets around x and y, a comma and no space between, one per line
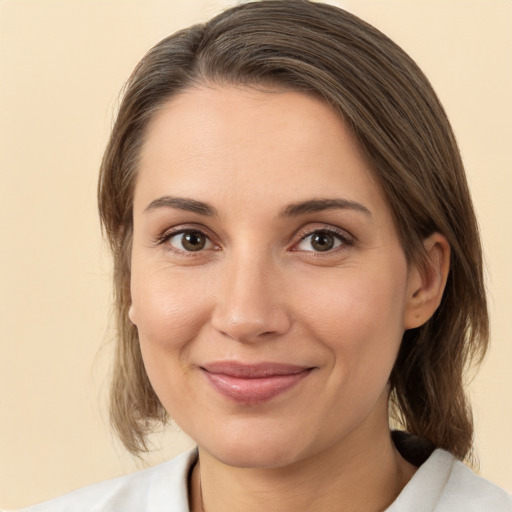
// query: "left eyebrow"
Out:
[319,205]
[182,203]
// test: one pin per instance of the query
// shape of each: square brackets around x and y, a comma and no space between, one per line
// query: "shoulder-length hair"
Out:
[391,108]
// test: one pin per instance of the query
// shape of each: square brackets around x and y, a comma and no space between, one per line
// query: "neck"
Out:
[355,475]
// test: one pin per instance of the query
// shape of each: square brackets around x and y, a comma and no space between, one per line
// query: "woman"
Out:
[296,261]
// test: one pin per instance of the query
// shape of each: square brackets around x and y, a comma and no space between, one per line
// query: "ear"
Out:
[131,315]
[425,286]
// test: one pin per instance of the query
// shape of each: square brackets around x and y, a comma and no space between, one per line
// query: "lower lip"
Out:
[256,390]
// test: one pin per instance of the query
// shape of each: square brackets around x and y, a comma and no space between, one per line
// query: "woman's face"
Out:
[269,287]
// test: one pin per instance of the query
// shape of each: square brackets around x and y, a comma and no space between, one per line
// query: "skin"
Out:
[260,290]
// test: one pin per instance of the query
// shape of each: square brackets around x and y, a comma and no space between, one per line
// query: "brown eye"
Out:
[190,241]
[321,241]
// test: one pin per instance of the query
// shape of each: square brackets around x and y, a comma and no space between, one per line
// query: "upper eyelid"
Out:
[342,233]
[184,228]
[346,238]
[301,233]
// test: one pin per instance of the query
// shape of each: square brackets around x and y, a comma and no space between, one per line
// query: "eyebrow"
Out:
[290,210]
[182,203]
[320,205]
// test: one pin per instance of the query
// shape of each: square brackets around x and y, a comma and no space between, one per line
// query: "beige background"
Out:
[62,64]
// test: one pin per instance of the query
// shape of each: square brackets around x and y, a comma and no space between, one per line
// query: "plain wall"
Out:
[62,64]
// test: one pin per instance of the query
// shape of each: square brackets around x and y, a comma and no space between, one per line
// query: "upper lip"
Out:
[260,370]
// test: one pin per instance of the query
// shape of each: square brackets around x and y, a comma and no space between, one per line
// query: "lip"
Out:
[252,384]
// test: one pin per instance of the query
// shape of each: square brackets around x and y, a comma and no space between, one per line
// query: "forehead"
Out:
[213,142]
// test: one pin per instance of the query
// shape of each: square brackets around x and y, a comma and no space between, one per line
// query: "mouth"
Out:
[252,384]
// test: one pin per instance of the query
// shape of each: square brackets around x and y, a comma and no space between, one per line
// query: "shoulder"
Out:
[444,484]
[162,487]
[476,493]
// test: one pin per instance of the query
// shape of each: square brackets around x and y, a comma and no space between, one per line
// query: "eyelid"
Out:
[346,238]
[166,235]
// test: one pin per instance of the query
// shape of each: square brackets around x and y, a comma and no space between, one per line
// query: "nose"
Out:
[250,305]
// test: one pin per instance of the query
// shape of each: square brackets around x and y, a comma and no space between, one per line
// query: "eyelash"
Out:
[341,236]
[165,238]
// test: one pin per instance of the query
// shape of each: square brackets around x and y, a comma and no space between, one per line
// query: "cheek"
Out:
[168,308]
[359,318]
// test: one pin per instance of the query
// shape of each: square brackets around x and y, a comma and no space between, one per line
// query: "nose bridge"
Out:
[250,304]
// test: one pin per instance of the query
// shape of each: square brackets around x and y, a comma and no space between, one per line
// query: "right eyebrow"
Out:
[321,204]
[182,203]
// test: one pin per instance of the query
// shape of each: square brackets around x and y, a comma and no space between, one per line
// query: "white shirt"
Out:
[441,484]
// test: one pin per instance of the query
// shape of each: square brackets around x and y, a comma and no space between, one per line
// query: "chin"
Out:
[256,452]
[255,457]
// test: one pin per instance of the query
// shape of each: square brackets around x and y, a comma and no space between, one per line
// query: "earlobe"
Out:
[426,285]
[131,315]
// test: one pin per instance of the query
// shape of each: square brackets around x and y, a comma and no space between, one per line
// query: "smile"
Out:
[252,384]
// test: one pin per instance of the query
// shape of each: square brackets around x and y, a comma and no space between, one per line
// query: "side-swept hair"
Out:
[389,105]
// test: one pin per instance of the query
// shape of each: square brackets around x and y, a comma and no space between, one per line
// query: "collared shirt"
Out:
[441,484]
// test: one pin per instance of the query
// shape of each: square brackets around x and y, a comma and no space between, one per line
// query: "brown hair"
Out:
[401,126]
